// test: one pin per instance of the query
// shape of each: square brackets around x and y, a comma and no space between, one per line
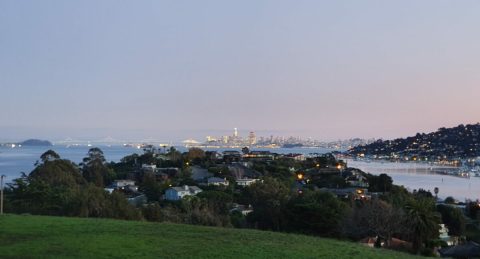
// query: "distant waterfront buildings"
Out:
[235,140]
[252,139]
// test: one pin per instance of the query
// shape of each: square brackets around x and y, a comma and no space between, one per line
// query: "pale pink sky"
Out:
[179,69]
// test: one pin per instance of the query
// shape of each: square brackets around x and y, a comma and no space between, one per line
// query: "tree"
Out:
[95,168]
[56,187]
[238,220]
[220,201]
[473,210]
[35,196]
[49,188]
[375,218]
[380,183]
[453,218]
[198,211]
[422,194]
[422,222]
[174,155]
[152,189]
[316,212]
[94,154]
[153,212]
[449,200]
[196,155]
[49,155]
[56,171]
[436,190]
[269,199]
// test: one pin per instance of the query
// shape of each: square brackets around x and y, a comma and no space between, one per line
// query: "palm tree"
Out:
[422,221]
[435,190]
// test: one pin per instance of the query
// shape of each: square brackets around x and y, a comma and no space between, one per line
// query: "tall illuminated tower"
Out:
[252,139]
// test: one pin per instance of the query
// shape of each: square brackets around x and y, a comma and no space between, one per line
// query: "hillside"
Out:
[462,141]
[58,237]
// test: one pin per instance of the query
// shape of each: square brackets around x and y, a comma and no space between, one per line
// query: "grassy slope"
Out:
[57,237]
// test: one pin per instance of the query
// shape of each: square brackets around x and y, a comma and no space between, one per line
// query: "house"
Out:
[137,199]
[216,181]
[399,245]
[370,241]
[149,168]
[296,157]
[443,235]
[260,156]
[244,209]
[165,173]
[355,193]
[122,183]
[199,174]
[177,193]
[170,171]
[231,156]
[357,181]
[213,155]
[355,178]
[468,249]
[109,189]
[246,181]
[240,171]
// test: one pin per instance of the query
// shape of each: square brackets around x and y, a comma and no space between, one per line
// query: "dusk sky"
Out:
[173,70]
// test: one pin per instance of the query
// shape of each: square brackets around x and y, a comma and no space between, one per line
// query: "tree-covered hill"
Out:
[462,141]
[36,142]
[61,237]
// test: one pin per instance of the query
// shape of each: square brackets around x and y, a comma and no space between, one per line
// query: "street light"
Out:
[300,176]
[1,194]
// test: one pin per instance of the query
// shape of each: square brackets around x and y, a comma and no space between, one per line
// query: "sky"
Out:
[173,70]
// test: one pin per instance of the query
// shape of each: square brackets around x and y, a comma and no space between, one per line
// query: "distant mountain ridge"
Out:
[462,141]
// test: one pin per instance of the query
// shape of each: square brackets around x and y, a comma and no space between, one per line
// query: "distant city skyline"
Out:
[172,70]
[201,136]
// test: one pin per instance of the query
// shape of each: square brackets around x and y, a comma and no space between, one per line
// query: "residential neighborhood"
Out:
[315,193]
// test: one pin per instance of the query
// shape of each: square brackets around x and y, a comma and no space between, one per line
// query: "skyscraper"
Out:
[252,138]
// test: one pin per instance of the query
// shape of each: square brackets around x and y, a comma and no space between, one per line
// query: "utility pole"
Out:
[1,194]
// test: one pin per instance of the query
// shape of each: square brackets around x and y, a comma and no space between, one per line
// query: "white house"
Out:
[147,167]
[177,193]
[244,209]
[443,235]
[216,181]
[123,183]
[245,181]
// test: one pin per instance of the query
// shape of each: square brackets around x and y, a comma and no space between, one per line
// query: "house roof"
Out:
[293,155]
[189,188]
[216,180]
[123,181]
[368,240]
[231,152]
[469,249]
[246,180]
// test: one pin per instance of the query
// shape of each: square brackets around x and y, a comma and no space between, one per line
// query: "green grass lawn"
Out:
[60,237]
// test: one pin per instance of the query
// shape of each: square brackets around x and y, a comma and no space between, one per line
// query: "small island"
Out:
[35,143]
